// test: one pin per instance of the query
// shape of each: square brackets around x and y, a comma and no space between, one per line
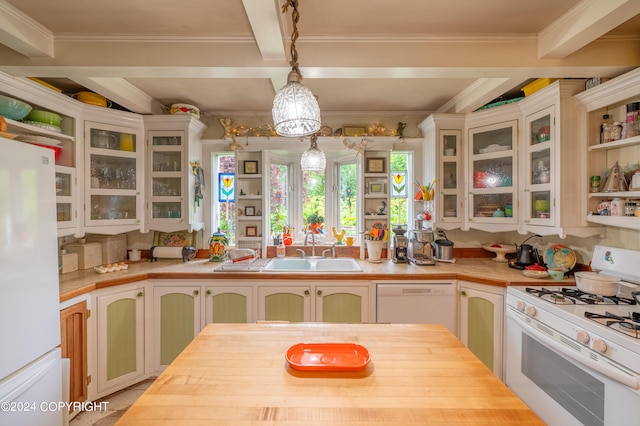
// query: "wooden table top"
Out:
[237,374]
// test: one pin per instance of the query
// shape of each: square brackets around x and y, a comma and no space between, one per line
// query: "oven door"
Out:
[561,388]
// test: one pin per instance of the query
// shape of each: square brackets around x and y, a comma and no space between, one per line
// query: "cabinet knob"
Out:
[140,294]
[463,293]
[208,293]
[196,292]
[307,292]
[319,293]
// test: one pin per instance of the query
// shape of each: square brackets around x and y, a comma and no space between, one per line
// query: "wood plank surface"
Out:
[236,374]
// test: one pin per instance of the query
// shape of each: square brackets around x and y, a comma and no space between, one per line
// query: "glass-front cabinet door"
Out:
[66,215]
[113,196]
[166,171]
[492,176]
[538,178]
[449,209]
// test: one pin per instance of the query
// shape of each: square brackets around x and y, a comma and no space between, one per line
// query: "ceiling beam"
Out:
[263,18]
[582,24]
[123,93]
[479,93]
[24,35]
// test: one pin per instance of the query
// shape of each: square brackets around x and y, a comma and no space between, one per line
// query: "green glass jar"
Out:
[218,246]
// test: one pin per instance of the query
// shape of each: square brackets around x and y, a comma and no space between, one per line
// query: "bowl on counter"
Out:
[13,108]
[500,250]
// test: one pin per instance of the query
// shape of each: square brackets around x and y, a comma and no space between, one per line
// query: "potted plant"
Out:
[314,220]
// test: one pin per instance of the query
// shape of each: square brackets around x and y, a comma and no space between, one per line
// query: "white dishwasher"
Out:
[417,303]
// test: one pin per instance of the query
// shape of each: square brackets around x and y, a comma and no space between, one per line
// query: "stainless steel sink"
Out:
[313,265]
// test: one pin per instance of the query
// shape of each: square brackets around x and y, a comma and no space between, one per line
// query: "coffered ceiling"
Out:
[368,56]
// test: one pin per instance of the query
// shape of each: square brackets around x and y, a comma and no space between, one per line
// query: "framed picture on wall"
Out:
[375,165]
[376,187]
[252,231]
[251,167]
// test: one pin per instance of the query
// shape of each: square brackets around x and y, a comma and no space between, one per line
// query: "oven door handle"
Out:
[616,375]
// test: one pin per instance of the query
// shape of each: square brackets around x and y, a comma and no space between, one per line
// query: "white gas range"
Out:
[574,358]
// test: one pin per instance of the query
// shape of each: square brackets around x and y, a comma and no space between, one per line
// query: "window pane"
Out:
[347,202]
[225,213]
[313,197]
[279,216]
[399,205]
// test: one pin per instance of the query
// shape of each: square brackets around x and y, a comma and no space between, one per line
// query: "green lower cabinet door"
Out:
[121,338]
[291,304]
[176,321]
[342,307]
[120,321]
[481,329]
[229,308]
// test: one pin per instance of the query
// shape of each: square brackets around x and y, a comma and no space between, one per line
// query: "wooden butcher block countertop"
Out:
[236,374]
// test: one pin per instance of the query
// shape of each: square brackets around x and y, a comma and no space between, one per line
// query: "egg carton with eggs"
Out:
[111,267]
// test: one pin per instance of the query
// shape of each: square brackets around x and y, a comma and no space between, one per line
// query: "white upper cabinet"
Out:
[174,177]
[552,171]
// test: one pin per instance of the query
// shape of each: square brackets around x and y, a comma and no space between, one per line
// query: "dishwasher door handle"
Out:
[410,291]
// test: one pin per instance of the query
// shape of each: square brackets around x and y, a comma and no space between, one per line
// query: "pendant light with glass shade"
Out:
[295,109]
[313,160]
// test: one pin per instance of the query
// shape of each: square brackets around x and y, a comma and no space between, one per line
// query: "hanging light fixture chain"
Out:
[295,17]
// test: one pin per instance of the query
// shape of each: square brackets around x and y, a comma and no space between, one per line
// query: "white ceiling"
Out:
[230,56]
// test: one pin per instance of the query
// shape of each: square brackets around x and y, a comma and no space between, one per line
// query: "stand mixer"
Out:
[419,251]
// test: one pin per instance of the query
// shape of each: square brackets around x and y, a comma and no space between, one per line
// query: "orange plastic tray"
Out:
[328,356]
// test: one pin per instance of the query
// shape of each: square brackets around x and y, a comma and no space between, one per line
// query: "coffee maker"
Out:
[419,251]
[400,245]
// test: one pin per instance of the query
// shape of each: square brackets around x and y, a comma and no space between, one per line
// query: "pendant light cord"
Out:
[295,17]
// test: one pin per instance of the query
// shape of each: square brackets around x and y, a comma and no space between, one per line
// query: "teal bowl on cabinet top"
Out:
[13,109]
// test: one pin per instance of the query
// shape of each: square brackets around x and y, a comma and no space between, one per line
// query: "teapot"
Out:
[526,253]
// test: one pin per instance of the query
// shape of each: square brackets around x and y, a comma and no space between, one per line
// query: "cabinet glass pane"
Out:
[492,205]
[540,161]
[450,205]
[112,207]
[541,204]
[109,172]
[449,145]
[492,141]
[166,140]
[497,172]
[63,184]
[450,175]
[63,212]
[167,187]
[540,130]
[167,161]
[118,141]
[164,210]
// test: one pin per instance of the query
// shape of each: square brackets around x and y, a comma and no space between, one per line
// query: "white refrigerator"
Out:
[30,364]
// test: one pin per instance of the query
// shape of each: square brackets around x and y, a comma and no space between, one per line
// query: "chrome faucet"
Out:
[313,241]
[332,250]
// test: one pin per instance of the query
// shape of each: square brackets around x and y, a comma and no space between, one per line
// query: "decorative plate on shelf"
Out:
[38,139]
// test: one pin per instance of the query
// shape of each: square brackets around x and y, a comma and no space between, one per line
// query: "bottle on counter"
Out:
[281,250]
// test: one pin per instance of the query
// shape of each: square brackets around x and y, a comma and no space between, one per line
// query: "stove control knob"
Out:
[599,345]
[582,337]
[530,310]
[520,305]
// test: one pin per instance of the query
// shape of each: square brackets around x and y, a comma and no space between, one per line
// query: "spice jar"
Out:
[629,208]
[617,207]
[594,184]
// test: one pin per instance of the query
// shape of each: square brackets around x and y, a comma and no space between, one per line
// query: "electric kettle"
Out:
[526,255]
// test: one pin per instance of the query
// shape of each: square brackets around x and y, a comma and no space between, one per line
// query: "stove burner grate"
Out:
[571,296]
[629,325]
